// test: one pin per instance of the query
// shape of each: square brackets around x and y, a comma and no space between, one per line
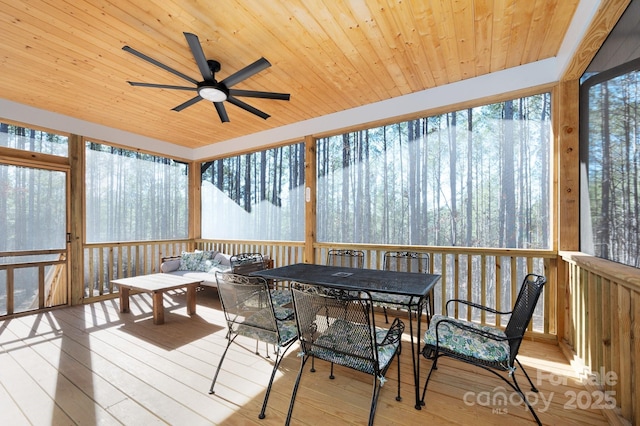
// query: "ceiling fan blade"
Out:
[162,86]
[247,107]
[198,55]
[187,104]
[246,72]
[257,94]
[158,64]
[222,112]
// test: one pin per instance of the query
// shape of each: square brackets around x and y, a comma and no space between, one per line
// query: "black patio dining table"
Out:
[414,285]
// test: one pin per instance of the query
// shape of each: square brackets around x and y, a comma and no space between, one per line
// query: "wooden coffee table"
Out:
[157,284]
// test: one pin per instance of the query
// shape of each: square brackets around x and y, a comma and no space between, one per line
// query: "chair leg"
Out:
[374,400]
[386,319]
[516,387]
[279,357]
[224,354]
[295,390]
[399,398]
[331,376]
[533,387]
[377,387]
[434,366]
[513,385]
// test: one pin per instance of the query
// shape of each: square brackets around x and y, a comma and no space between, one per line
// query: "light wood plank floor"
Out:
[92,365]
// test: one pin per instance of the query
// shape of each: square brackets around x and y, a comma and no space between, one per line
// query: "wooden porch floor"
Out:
[92,365]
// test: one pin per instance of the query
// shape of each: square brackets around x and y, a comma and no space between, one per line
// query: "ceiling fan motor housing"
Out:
[213,91]
[214,66]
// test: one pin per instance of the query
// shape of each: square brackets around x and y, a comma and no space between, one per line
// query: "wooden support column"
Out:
[565,112]
[567,172]
[195,201]
[76,219]
[566,123]
[310,214]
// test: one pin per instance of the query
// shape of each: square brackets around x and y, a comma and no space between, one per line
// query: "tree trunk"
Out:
[453,159]
[508,177]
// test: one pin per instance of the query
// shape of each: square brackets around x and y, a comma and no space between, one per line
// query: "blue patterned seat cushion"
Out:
[346,336]
[467,343]
[281,297]
[387,299]
[260,326]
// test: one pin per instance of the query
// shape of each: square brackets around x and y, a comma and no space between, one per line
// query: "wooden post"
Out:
[565,112]
[566,233]
[76,219]
[566,118]
[310,215]
[195,201]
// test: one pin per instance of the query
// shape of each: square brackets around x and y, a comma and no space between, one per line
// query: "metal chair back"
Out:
[346,258]
[522,312]
[245,263]
[338,326]
[406,261]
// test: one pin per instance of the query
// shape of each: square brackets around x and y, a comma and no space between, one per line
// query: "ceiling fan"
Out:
[209,88]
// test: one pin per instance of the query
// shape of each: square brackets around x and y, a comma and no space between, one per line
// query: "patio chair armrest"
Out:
[394,334]
[470,329]
[475,305]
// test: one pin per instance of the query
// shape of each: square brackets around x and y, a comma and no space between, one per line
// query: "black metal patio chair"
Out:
[338,326]
[485,346]
[346,258]
[249,311]
[403,261]
[245,263]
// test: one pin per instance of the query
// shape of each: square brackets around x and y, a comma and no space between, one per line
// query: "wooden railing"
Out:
[487,276]
[602,329]
[18,295]
[56,288]
[490,277]
[109,261]
[282,252]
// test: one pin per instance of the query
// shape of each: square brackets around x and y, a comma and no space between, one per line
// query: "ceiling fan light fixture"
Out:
[213,93]
[210,89]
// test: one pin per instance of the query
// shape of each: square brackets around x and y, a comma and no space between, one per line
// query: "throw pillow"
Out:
[189,261]
[223,259]
[170,265]
[216,267]
[205,262]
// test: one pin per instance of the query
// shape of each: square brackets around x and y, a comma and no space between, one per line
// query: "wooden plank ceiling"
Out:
[66,56]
